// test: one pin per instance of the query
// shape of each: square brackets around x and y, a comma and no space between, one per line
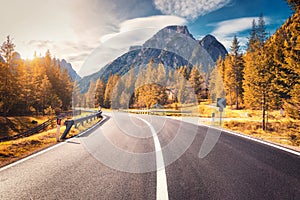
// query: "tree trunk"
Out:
[236,88]
[236,98]
[5,99]
[267,121]
[231,101]
[264,112]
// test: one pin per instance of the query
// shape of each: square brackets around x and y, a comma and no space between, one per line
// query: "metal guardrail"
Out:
[76,122]
[29,132]
[91,110]
[70,113]
[157,111]
[47,123]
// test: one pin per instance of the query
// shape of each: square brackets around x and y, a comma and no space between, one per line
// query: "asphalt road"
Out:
[121,159]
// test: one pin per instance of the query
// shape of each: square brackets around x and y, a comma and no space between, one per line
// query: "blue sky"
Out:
[91,33]
[275,14]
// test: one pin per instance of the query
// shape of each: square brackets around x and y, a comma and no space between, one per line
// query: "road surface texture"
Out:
[113,162]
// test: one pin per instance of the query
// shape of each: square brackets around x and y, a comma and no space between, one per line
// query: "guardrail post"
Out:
[99,114]
[69,124]
[58,122]
[76,122]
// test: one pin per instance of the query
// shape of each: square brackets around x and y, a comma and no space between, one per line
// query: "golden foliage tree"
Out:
[7,94]
[32,86]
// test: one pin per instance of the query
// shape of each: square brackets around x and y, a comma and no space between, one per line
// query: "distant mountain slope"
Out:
[174,46]
[135,59]
[72,73]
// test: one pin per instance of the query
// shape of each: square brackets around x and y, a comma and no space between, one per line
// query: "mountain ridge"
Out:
[173,46]
[213,47]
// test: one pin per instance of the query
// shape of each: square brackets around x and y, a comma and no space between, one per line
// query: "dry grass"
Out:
[205,110]
[19,124]
[285,132]
[281,130]
[11,151]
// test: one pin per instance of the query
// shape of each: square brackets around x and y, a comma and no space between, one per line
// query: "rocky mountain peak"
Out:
[207,40]
[179,29]
[213,47]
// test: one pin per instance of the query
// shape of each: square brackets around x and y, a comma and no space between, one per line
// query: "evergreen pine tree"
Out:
[161,74]
[112,80]
[99,93]
[237,67]
[90,95]
[215,84]
[7,49]
[197,82]
[258,76]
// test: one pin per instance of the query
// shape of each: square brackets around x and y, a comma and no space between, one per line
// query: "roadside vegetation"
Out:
[281,132]
[13,150]
[10,126]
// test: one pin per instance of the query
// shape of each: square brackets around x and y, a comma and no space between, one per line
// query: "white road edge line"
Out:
[161,178]
[48,149]
[246,137]
[256,140]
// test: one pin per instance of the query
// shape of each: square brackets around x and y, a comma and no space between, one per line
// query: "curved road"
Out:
[121,159]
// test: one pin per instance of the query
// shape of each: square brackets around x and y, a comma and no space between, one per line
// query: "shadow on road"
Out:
[73,142]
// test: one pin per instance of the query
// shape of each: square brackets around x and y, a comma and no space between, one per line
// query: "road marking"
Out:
[50,148]
[297,153]
[256,140]
[161,178]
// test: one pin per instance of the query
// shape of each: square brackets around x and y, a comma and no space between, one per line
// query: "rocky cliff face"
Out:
[178,40]
[213,47]
[72,73]
[140,58]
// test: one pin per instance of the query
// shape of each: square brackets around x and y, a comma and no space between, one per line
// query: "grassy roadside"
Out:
[12,125]
[280,129]
[285,133]
[14,150]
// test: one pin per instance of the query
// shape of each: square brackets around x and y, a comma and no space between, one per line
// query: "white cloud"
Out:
[232,26]
[148,25]
[62,26]
[189,9]
[226,30]
[131,32]
[34,19]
